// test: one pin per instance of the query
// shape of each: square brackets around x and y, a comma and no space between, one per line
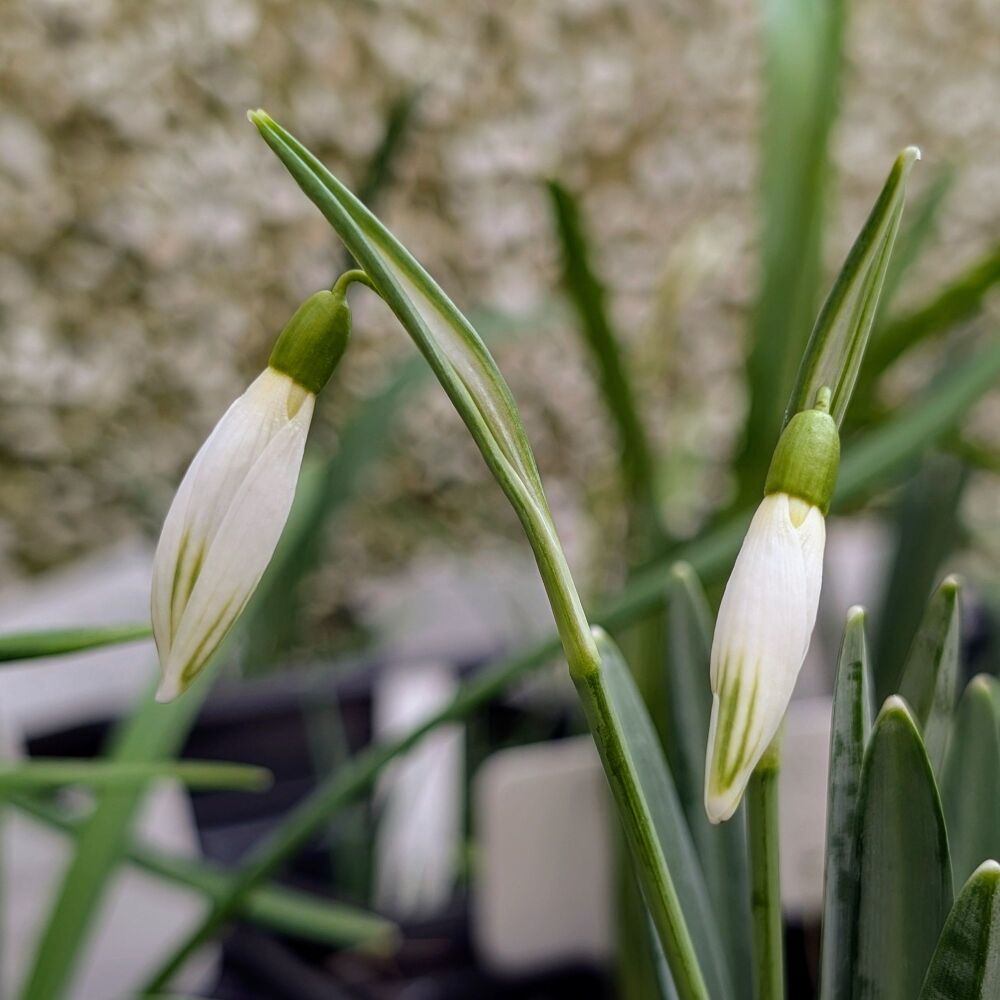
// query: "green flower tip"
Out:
[807,457]
[314,340]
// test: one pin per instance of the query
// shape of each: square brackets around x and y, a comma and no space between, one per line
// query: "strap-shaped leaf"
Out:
[722,848]
[651,815]
[970,784]
[58,642]
[849,732]
[840,336]
[930,678]
[904,871]
[48,773]
[445,337]
[966,964]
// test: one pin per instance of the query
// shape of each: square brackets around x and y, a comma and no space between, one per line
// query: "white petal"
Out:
[265,428]
[761,637]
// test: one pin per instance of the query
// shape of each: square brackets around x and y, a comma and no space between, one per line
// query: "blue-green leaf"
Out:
[970,783]
[849,731]
[930,677]
[49,772]
[966,964]
[904,870]
[58,642]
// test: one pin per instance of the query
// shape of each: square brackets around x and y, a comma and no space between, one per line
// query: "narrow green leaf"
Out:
[957,302]
[930,678]
[154,732]
[588,296]
[48,773]
[281,909]
[58,642]
[966,963]
[849,731]
[970,783]
[840,336]
[871,460]
[904,871]
[926,528]
[802,64]
[651,815]
[722,848]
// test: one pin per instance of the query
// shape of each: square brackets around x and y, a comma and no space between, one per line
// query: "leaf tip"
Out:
[856,615]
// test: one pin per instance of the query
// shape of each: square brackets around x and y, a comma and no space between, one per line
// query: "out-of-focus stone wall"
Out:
[151,246]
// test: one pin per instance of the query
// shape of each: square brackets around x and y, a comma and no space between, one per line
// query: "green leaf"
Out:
[872,459]
[966,964]
[155,732]
[287,911]
[58,642]
[904,872]
[588,296]
[926,523]
[721,848]
[654,825]
[849,731]
[840,336]
[930,678]
[802,64]
[959,301]
[48,773]
[970,783]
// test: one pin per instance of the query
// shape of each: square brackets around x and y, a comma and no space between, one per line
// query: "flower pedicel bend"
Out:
[769,608]
[225,521]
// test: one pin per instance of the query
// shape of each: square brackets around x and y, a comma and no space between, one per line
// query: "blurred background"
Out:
[151,248]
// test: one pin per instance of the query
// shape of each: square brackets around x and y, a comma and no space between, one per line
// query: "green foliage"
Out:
[849,732]
[904,870]
[51,772]
[59,642]
[970,783]
[966,964]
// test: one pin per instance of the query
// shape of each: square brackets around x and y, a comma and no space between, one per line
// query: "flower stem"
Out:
[762,835]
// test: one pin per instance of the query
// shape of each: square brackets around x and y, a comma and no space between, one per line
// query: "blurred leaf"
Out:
[655,828]
[970,783]
[287,911]
[904,872]
[959,301]
[966,963]
[871,459]
[849,731]
[721,848]
[930,678]
[802,48]
[154,732]
[926,528]
[840,336]
[49,772]
[324,487]
[57,642]
[587,294]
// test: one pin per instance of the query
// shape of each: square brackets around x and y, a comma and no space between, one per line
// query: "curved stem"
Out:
[765,879]
[340,286]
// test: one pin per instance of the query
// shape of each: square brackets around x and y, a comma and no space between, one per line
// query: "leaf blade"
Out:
[57,642]
[904,870]
[849,732]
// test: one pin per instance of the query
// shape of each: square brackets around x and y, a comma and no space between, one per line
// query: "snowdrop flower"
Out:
[768,611]
[229,512]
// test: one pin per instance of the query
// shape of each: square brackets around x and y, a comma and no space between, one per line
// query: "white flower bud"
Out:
[762,635]
[224,524]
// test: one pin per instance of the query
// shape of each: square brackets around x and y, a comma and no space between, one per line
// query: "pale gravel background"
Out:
[151,246]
